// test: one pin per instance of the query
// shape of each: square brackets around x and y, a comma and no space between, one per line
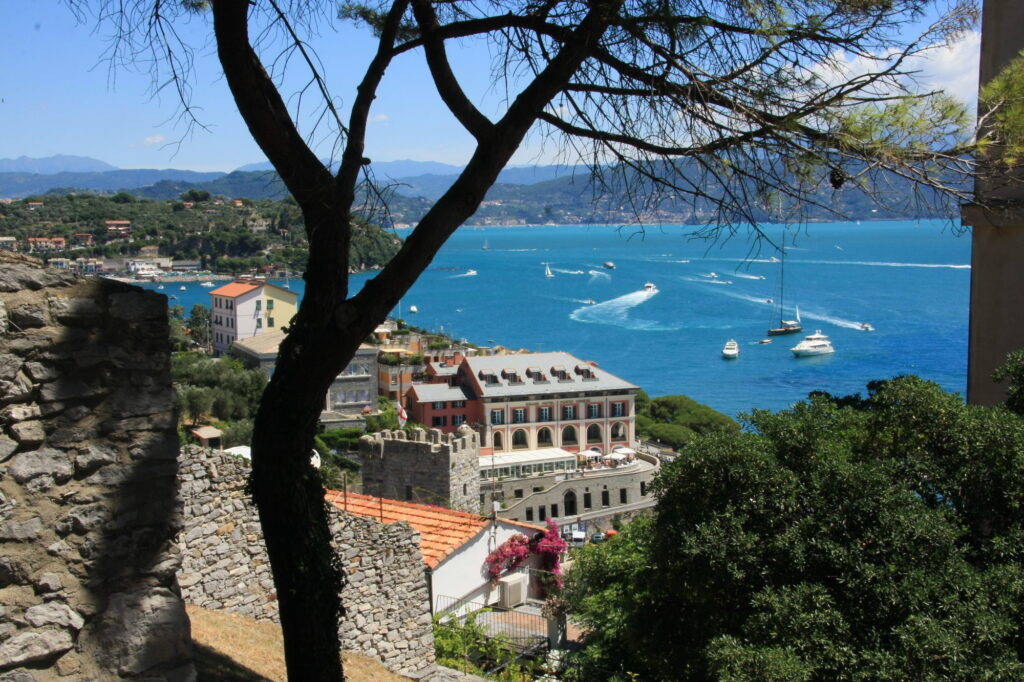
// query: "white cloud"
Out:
[379,118]
[954,68]
[153,140]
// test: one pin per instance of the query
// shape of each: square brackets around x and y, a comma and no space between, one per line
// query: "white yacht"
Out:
[865,326]
[815,344]
[731,349]
[470,272]
[413,309]
[650,288]
[547,271]
[608,265]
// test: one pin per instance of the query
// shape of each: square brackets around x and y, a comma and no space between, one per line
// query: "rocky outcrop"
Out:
[88,508]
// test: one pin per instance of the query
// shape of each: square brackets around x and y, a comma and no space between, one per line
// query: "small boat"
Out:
[413,309]
[182,288]
[731,350]
[470,273]
[608,264]
[763,341]
[173,297]
[547,271]
[866,327]
[206,284]
[486,246]
[590,301]
[649,287]
[712,275]
[815,344]
[159,286]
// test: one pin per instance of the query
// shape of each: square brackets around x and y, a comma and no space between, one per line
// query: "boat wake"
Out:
[746,276]
[615,313]
[837,321]
[598,273]
[569,272]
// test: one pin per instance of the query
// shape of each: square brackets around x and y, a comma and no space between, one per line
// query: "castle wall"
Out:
[88,507]
[428,467]
[225,565]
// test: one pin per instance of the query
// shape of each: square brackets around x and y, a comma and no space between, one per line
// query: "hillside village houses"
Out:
[248,307]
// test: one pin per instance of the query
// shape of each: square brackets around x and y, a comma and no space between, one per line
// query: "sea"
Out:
[909,280]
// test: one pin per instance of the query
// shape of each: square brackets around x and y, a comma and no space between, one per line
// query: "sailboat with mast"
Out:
[785,326]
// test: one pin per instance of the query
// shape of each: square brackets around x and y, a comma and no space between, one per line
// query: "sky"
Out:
[58,95]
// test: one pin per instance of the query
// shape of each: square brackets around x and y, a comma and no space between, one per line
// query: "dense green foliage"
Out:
[219,387]
[676,419]
[222,236]
[862,539]
[465,645]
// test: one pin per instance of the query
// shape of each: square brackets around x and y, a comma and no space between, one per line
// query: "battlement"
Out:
[423,466]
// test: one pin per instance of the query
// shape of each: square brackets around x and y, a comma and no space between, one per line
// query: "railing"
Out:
[526,632]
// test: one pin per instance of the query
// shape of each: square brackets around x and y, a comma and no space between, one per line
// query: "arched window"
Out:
[569,502]
[569,435]
[497,441]
[544,437]
[618,431]
[520,440]
[594,434]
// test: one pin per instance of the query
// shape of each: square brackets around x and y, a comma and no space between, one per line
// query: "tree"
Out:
[199,324]
[830,543]
[726,103]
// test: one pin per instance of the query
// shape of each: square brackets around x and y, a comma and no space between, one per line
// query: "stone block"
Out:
[28,434]
[45,461]
[54,613]
[21,531]
[74,310]
[93,457]
[34,646]
[18,388]
[142,630]
[28,316]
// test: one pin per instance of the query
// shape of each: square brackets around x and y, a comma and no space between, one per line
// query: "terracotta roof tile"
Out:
[234,289]
[442,531]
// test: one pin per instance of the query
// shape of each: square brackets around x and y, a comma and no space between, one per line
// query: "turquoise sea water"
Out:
[910,280]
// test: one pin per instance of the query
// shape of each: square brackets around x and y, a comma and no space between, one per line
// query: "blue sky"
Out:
[58,96]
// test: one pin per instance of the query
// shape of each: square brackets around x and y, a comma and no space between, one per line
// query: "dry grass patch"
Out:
[233,648]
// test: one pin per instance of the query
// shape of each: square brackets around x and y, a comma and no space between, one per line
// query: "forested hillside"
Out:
[225,236]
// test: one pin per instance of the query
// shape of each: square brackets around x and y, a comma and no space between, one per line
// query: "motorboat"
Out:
[470,272]
[649,287]
[764,341]
[413,309]
[160,286]
[815,344]
[731,350]
[864,326]
[590,301]
[608,264]
[206,284]
[182,288]
[547,271]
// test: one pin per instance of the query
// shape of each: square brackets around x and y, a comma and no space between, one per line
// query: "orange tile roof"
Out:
[442,531]
[234,289]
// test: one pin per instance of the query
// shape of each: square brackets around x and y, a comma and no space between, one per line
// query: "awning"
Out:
[616,456]
[624,450]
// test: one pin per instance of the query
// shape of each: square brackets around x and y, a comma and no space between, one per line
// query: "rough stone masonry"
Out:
[88,508]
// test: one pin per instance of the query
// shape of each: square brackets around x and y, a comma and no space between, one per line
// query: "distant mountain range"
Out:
[522,195]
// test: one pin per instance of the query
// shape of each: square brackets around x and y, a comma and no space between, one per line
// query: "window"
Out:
[529,513]
[569,435]
[605,498]
[270,304]
[464,488]
[259,304]
[586,500]
[543,513]
[594,410]
[520,440]
[519,415]
[270,322]
[518,493]
[568,411]
[458,419]
[497,416]
[440,405]
[554,511]
[618,409]
[543,414]
[439,421]
[643,488]
[622,496]
[458,403]
[408,492]
[538,488]
[544,436]
[259,323]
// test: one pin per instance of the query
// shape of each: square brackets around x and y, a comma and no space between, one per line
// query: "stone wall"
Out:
[225,565]
[428,467]
[88,510]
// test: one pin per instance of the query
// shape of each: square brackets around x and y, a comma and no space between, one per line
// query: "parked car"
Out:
[597,537]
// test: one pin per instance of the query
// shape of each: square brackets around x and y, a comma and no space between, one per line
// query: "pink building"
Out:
[528,401]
